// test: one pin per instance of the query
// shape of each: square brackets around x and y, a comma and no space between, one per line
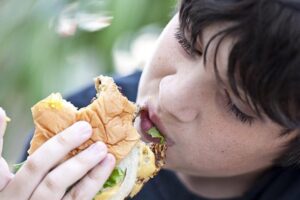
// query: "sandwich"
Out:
[111,116]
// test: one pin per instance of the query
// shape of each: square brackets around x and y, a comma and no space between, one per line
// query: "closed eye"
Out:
[244,118]
[185,44]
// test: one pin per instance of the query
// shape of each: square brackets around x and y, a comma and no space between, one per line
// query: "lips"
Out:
[146,124]
[148,120]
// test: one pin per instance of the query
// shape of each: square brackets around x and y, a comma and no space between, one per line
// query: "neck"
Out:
[225,187]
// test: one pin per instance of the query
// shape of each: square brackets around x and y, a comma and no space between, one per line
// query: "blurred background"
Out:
[60,45]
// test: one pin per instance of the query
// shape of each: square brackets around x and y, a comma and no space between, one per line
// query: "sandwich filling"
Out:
[111,116]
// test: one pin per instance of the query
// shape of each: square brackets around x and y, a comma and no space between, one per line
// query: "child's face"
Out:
[208,139]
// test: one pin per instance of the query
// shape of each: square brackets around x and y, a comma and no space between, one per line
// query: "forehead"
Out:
[217,50]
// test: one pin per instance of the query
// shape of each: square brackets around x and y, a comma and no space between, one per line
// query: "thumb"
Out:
[5,174]
[3,122]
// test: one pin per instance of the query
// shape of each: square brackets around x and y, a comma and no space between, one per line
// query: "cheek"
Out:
[218,145]
[230,152]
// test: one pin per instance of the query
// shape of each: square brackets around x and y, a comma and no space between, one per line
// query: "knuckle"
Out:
[81,159]
[31,164]
[94,178]
[75,194]
[50,183]
[38,196]
[62,140]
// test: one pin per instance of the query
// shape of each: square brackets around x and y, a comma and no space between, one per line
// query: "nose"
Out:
[178,97]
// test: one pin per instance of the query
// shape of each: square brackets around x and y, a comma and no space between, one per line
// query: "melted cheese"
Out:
[146,170]
[146,162]
[107,193]
[55,101]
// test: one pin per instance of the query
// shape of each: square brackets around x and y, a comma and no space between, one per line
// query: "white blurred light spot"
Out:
[66,27]
[140,52]
[73,17]
[92,22]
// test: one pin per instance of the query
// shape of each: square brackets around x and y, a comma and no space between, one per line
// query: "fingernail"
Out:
[84,129]
[97,147]
[2,113]
[2,122]
[7,119]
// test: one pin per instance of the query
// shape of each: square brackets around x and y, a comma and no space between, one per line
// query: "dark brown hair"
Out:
[264,62]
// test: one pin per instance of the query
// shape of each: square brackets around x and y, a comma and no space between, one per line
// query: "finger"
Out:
[92,183]
[5,174]
[3,123]
[46,157]
[57,181]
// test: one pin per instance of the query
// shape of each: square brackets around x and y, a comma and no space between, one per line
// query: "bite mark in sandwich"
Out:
[111,116]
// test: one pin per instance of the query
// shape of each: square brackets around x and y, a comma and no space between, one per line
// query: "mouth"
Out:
[152,130]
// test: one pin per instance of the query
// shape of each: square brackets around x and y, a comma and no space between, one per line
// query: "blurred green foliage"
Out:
[35,60]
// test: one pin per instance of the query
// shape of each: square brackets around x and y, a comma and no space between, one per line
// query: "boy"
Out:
[223,87]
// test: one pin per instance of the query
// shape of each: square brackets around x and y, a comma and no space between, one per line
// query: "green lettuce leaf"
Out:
[16,167]
[156,134]
[116,177]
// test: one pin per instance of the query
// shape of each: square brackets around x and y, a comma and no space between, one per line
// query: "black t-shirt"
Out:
[276,184]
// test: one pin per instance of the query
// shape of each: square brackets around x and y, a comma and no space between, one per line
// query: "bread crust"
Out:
[111,115]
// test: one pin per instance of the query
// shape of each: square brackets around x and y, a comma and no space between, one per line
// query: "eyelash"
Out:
[238,114]
[185,44]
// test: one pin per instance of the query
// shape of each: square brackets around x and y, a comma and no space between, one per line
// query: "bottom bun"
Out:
[139,166]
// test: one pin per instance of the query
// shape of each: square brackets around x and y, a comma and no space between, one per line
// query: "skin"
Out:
[215,154]
[46,176]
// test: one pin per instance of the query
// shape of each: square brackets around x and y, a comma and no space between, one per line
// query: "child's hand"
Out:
[5,174]
[42,177]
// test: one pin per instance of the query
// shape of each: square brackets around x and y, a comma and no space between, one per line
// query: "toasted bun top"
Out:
[110,115]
